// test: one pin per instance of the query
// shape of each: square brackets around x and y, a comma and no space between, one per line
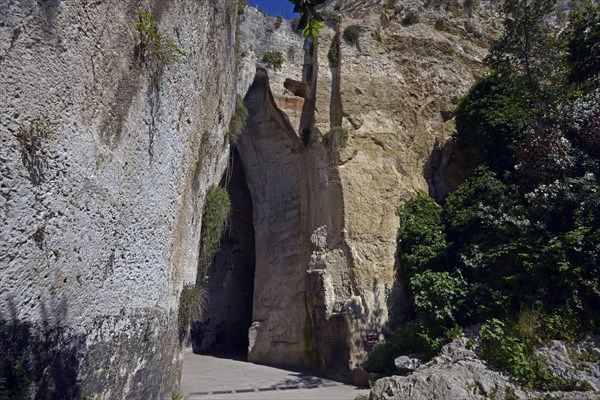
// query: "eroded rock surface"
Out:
[458,373]
[394,92]
[100,221]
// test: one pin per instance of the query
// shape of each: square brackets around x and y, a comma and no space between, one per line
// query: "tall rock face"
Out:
[323,209]
[107,149]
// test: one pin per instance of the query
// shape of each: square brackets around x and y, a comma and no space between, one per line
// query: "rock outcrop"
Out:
[101,205]
[324,210]
[458,373]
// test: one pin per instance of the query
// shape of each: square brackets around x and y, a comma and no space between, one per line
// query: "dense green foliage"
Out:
[310,21]
[583,45]
[215,215]
[491,119]
[516,246]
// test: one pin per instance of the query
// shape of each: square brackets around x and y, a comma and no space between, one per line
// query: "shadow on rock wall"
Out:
[444,170]
[39,361]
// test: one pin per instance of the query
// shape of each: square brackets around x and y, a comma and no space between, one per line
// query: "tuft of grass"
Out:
[238,120]
[337,137]
[192,302]
[215,214]
[274,59]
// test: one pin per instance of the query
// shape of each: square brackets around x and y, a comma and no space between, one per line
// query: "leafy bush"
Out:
[274,59]
[412,17]
[492,119]
[421,239]
[351,34]
[438,296]
[506,352]
[154,47]
[215,214]
[192,301]
[238,120]
[582,44]
[544,156]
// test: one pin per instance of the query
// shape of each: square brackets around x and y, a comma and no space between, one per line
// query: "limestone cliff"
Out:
[106,154]
[324,213]
[101,205]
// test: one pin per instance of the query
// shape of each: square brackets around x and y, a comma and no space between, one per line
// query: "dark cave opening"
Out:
[228,315]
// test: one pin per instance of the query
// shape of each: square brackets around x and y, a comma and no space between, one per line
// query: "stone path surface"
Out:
[206,377]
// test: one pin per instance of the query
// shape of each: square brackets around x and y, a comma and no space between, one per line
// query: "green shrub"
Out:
[438,296]
[506,352]
[215,214]
[421,239]
[351,34]
[192,302]
[154,47]
[274,59]
[412,17]
[503,348]
[413,339]
[238,120]
[491,120]
[583,36]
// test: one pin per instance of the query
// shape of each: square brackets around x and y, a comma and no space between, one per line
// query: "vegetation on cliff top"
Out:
[516,247]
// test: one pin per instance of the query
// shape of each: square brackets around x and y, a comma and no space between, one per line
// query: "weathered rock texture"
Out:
[459,374]
[324,214]
[100,221]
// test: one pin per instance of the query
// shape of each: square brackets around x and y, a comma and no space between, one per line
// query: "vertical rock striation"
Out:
[100,217]
[326,268]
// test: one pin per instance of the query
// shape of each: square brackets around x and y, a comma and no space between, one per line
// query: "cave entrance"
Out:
[224,328]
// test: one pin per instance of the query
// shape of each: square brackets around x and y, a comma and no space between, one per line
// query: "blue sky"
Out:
[275,7]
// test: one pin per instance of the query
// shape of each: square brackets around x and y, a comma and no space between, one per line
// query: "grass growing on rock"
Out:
[215,215]
[238,120]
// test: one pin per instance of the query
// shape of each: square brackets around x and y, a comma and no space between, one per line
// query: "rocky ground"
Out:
[458,373]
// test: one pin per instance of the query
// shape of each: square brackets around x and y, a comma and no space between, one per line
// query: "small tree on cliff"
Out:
[526,46]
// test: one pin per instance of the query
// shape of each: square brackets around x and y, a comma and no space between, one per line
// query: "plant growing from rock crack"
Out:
[238,120]
[192,301]
[154,47]
[215,214]
[274,59]
[412,17]
[352,34]
[39,129]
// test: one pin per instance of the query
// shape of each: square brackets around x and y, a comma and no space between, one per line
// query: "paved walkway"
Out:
[207,377]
